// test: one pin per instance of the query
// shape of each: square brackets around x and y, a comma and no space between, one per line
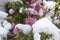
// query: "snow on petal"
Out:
[24,28]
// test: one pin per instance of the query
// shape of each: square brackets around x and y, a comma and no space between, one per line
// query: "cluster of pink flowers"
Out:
[35,5]
[34,10]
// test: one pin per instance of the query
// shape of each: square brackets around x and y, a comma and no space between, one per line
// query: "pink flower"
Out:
[37,7]
[30,20]
[15,31]
[13,25]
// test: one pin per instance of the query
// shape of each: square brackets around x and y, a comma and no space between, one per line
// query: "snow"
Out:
[3,32]
[37,36]
[7,25]
[46,26]
[3,14]
[24,28]
[49,4]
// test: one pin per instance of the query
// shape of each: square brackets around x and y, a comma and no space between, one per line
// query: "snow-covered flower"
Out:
[11,11]
[30,20]
[24,28]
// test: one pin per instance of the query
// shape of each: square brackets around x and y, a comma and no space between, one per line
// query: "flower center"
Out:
[30,21]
